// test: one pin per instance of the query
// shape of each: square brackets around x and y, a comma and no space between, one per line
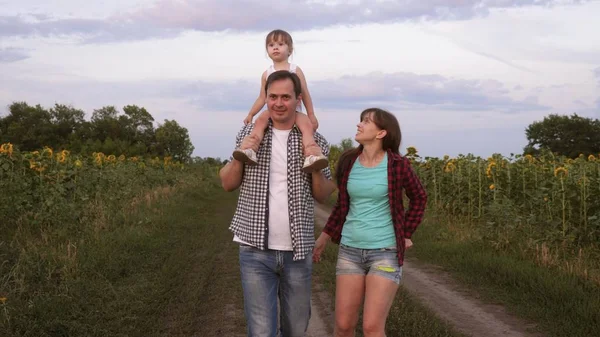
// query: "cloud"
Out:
[12,55]
[251,15]
[597,74]
[167,18]
[84,30]
[394,91]
[428,106]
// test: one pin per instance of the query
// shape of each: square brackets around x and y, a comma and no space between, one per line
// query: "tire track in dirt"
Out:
[447,299]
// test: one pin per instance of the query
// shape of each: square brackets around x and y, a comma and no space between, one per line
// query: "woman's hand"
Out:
[407,243]
[320,247]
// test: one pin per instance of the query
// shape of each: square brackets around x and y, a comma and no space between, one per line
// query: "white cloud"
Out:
[451,77]
[427,106]
[12,55]
[168,18]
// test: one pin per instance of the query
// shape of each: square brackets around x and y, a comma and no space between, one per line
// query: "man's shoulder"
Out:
[320,138]
[245,130]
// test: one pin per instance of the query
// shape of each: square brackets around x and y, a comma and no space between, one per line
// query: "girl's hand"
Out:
[248,120]
[319,247]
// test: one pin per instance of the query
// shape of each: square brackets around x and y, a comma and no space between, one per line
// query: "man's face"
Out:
[281,101]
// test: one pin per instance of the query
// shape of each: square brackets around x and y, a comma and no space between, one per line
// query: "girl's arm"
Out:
[305,93]
[260,100]
[417,196]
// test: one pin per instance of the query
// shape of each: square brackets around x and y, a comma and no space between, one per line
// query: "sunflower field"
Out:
[52,202]
[545,206]
[48,189]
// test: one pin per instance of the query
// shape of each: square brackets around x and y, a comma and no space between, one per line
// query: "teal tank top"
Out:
[369,221]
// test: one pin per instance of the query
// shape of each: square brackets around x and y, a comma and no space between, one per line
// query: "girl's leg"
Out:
[350,273]
[379,295]
[258,132]
[315,160]
[349,292]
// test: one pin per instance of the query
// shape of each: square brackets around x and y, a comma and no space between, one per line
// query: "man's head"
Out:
[283,90]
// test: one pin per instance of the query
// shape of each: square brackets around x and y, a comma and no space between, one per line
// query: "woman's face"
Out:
[367,131]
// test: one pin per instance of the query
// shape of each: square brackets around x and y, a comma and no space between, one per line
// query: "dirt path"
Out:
[321,319]
[448,300]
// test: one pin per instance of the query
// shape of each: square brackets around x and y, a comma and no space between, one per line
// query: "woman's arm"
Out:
[417,196]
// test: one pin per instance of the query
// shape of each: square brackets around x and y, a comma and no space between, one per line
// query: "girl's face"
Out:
[367,131]
[278,50]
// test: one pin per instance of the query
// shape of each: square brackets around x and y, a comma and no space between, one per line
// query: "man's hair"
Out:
[282,75]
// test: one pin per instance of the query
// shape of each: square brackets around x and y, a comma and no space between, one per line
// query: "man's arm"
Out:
[322,183]
[321,186]
[231,175]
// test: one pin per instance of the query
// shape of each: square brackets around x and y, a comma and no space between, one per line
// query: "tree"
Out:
[335,151]
[68,125]
[105,123]
[174,140]
[130,133]
[346,144]
[28,127]
[138,123]
[565,135]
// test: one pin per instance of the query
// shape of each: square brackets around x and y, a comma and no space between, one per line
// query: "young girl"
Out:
[280,46]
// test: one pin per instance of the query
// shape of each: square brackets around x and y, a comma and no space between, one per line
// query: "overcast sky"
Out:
[462,76]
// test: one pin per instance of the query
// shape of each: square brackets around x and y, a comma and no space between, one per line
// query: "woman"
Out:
[369,223]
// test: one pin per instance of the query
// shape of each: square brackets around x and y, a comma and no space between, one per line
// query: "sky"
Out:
[461,76]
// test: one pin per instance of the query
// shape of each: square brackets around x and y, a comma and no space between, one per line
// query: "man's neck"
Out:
[283,126]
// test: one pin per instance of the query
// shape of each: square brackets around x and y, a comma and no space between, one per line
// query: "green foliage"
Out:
[558,302]
[544,198]
[131,133]
[96,246]
[174,139]
[335,151]
[564,135]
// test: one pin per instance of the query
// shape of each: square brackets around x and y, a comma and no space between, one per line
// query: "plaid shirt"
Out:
[250,220]
[400,176]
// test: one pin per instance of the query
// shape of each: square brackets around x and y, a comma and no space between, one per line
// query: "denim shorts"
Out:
[381,262]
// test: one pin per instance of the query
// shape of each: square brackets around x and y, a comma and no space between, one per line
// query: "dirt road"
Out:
[448,300]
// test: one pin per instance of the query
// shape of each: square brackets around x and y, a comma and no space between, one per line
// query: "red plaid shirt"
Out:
[400,177]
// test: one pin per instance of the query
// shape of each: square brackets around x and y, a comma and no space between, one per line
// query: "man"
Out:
[274,219]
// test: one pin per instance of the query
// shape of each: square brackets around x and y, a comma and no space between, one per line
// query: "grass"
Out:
[166,267]
[407,317]
[561,303]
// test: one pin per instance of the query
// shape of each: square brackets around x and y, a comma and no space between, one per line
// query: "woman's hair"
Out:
[391,141]
[277,35]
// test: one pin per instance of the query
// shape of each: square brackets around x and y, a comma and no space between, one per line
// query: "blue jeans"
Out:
[271,275]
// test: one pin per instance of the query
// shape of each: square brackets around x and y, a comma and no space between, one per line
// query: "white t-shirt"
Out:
[280,237]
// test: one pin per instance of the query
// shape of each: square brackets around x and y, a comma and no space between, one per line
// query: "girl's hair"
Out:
[391,141]
[279,34]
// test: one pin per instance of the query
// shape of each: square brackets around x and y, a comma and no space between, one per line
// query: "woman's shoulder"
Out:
[396,156]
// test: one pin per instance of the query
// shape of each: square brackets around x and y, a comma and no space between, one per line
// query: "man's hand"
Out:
[407,243]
